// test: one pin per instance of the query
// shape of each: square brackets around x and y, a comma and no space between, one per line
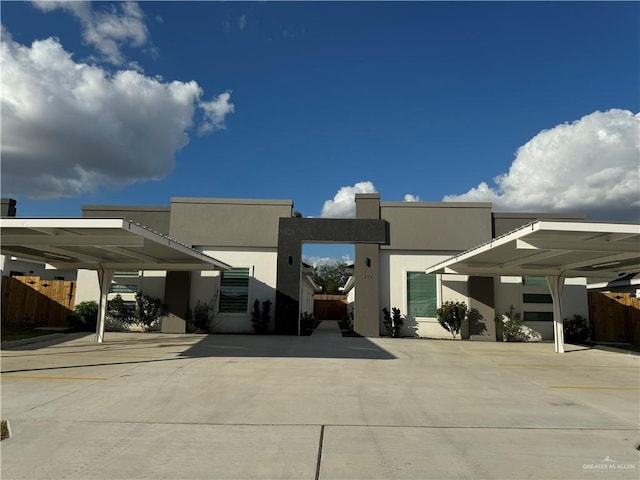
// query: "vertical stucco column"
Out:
[177,290]
[366,273]
[482,301]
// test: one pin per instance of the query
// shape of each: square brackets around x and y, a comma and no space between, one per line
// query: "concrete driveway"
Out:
[160,406]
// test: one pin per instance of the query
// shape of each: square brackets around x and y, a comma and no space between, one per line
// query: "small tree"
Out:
[451,315]
[393,321]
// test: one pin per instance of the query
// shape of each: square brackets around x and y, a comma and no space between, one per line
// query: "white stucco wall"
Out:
[306,296]
[150,282]
[262,264]
[508,291]
[393,289]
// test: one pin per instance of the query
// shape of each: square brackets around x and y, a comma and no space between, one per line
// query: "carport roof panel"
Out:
[99,243]
[577,249]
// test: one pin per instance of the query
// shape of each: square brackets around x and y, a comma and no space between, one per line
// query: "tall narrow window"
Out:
[422,298]
[234,291]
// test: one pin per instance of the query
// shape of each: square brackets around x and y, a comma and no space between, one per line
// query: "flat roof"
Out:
[99,243]
[541,248]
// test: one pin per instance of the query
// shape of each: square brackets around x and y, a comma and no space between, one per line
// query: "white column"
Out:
[556,284]
[104,279]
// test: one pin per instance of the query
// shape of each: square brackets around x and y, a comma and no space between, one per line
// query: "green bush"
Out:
[113,325]
[451,315]
[149,310]
[261,319]
[146,311]
[392,321]
[308,323]
[576,329]
[511,331]
[121,311]
[84,317]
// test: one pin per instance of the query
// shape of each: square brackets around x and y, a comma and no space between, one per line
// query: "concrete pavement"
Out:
[326,406]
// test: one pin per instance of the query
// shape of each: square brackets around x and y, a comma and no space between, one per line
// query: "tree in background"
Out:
[331,276]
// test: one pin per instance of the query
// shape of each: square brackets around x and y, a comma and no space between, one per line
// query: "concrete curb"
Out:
[27,341]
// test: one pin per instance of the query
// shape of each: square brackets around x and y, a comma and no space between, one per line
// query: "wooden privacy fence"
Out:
[37,302]
[329,307]
[615,317]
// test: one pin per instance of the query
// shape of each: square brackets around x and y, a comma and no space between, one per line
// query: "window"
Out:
[123,288]
[234,290]
[538,316]
[535,281]
[422,298]
[536,298]
[126,274]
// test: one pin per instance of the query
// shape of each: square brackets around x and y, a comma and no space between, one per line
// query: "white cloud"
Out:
[215,112]
[343,204]
[314,261]
[589,166]
[411,198]
[69,128]
[108,29]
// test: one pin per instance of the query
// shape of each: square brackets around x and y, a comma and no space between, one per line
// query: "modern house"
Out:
[395,242]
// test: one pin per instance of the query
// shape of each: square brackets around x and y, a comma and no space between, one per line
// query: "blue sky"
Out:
[533,106]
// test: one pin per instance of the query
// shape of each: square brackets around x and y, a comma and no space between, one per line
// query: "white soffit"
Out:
[570,249]
[98,243]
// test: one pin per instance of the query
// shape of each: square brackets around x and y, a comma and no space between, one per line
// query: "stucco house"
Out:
[394,243]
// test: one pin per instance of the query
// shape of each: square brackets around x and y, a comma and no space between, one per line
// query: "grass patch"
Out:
[10,333]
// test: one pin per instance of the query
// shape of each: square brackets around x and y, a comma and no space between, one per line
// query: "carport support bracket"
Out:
[556,284]
[105,276]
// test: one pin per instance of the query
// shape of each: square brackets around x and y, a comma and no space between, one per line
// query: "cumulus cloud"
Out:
[590,166]
[411,198]
[343,204]
[108,29]
[69,127]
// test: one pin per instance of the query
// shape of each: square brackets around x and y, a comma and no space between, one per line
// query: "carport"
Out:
[555,250]
[101,244]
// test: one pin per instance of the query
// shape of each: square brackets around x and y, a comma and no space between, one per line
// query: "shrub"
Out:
[308,323]
[392,321]
[261,319]
[511,326]
[84,317]
[201,317]
[576,329]
[146,311]
[113,325]
[451,315]
[149,310]
[120,310]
